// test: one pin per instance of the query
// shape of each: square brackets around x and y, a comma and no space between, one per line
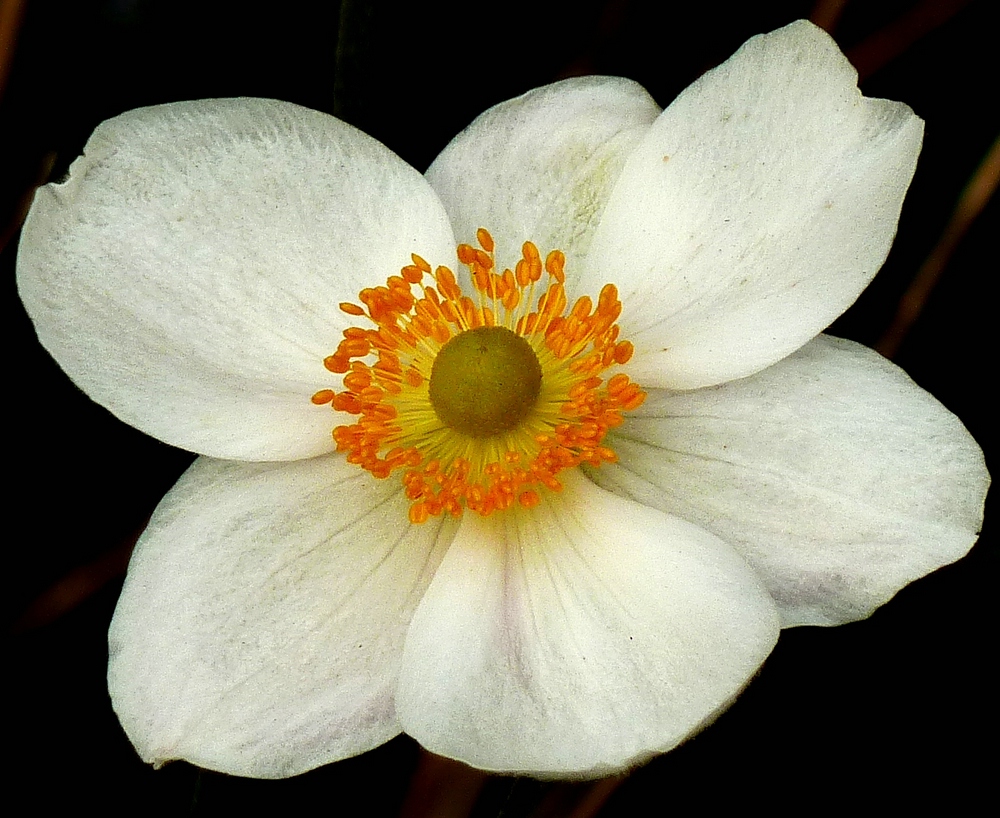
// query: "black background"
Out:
[899,707]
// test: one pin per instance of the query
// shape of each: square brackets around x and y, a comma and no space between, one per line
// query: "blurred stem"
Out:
[11,17]
[354,39]
[885,45]
[826,14]
[76,587]
[442,788]
[971,203]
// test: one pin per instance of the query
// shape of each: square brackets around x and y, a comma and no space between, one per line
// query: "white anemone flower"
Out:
[563,585]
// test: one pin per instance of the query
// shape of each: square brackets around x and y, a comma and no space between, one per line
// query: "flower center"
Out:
[485,381]
[481,403]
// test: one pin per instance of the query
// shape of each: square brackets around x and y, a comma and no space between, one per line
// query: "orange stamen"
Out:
[443,471]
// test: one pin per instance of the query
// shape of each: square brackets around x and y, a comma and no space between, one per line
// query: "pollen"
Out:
[480,401]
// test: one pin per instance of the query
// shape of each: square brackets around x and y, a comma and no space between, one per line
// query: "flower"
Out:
[282,611]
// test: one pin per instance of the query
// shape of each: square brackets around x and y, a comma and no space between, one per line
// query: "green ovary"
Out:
[485,381]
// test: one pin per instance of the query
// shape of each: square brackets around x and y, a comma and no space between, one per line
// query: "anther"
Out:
[500,443]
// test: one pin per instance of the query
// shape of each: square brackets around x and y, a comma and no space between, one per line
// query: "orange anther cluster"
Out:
[387,370]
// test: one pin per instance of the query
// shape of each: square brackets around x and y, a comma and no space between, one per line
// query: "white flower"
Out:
[281,611]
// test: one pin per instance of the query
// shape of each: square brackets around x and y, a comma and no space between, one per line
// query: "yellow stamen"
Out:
[454,453]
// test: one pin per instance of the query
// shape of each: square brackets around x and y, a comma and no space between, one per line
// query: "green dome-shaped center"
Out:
[485,381]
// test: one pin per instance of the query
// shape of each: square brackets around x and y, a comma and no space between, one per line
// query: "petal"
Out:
[261,625]
[541,167]
[187,274]
[579,637]
[755,210]
[836,477]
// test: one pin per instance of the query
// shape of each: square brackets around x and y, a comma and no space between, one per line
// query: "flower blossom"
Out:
[641,460]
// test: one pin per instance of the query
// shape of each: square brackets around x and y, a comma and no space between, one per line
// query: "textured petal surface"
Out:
[755,210]
[837,477]
[187,275]
[579,637]
[541,167]
[262,622]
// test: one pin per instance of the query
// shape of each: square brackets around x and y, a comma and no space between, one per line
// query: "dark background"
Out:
[897,708]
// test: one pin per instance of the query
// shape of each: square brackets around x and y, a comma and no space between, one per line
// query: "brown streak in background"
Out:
[971,203]
[596,797]
[442,788]
[76,587]
[13,205]
[587,800]
[610,21]
[885,45]
[11,17]
[826,14]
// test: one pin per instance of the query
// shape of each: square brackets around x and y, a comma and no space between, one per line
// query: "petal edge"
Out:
[187,274]
[754,212]
[580,637]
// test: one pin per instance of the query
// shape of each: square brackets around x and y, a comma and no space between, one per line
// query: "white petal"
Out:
[837,477]
[755,210]
[541,167]
[261,625]
[187,275]
[579,637]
